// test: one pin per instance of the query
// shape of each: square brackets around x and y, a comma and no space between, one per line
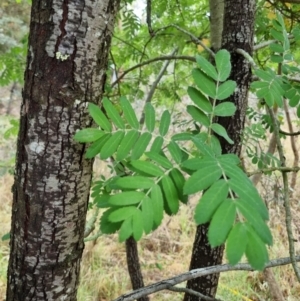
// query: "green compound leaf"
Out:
[175,151]
[221,223]
[125,230]
[5,237]
[198,115]
[111,145]
[230,159]
[236,243]
[158,204]
[204,83]
[226,89]
[113,113]
[164,123]
[225,109]
[88,135]
[137,225]
[126,198]
[256,251]
[157,144]
[141,145]
[170,193]
[121,214]
[222,59]
[106,226]
[182,137]
[147,167]
[148,215]
[203,178]
[199,100]
[200,142]
[179,180]
[199,163]
[150,117]
[253,217]
[221,131]
[206,67]
[276,47]
[161,160]
[210,201]
[96,147]
[129,113]
[99,117]
[277,35]
[266,75]
[132,182]
[127,144]
[244,188]
[215,145]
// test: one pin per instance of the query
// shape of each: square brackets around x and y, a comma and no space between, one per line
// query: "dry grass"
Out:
[163,254]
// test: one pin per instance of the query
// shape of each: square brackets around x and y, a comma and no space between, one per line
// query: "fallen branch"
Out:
[167,283]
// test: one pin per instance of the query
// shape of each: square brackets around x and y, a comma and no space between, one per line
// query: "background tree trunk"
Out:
[238,32]
[66,64]
[216,9]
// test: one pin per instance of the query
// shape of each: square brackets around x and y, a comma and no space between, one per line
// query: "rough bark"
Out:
[237,33]
[66,64]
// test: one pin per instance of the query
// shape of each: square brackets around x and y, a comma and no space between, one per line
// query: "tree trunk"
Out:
[237,33]
[66,64]
[134,267]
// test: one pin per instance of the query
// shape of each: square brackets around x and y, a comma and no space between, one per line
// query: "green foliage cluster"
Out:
[155,172]
[274,87]
[13,40]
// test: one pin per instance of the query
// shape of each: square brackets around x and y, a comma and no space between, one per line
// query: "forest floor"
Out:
[165,252]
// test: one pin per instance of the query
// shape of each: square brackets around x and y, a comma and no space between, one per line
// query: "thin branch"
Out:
[291,1]
[192,274]
[93,237]
[148,19]
[293,143]
[90,225]
[127,43]
[191,292]
[193,37]
[271,169]
[294,79]
[287,205]
[247,56]
[289,134]
[155,83]
[115,70]
[267,43]
[156,59]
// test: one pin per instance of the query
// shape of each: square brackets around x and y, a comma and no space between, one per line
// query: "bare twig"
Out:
[270,169]
[90,225]
[289,134]
[192,274]
[194,38]
[156,59]
[267,43]
[116,72]
[288,214]
[247,56]
[293,143]
[155,83]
